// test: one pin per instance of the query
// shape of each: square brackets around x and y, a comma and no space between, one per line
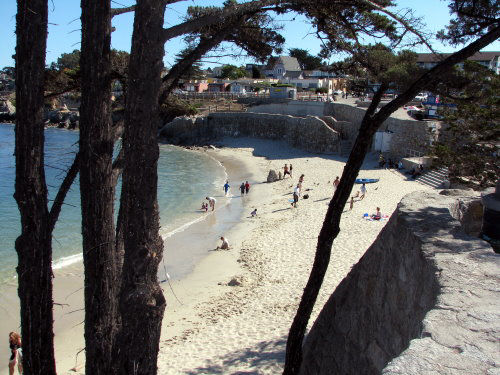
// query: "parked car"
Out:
[421,97]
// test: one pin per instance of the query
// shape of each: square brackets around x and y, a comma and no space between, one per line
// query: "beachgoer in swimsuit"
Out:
[226,187]
[204,206]
[363,191]
[296,194]
[211,202]
[247,187]
[224,245]
[377,215]
[242,188]
[351,204]
[291,168]
[336,183]
[286,171]
[16,353]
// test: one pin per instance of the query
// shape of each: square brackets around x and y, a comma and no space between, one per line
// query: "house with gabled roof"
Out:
[490,60]
[284,65]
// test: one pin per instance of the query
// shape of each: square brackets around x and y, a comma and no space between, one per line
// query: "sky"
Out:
[64,29]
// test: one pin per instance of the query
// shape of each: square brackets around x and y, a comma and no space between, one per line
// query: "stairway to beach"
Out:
[345,147]
[434,177]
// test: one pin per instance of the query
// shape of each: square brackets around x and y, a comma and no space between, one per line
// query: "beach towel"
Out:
[368,217]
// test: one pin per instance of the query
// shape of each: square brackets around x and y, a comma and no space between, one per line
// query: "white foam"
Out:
[67,261]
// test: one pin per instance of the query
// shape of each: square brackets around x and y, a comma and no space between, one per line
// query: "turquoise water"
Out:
[184,179]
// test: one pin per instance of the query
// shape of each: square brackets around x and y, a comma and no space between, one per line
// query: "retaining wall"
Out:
[422,300]
[308,133]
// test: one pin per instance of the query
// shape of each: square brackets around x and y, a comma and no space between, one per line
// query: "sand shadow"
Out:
[261,355]
[282,209]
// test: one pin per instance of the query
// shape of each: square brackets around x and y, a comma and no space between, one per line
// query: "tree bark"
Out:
[142,303]
[331,225]
[34,245]
[97,188]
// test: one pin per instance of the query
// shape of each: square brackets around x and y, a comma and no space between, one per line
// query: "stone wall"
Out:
[291,107]
[308,133]
[407,134]
[422,300]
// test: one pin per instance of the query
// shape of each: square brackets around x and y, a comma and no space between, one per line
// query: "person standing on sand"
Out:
[211,202]
[16,353]
[242,188]
[363,191]
[296,194]
[291,168]
[285,171]
[247,187]
[226,187]
[336,184]
[351,203]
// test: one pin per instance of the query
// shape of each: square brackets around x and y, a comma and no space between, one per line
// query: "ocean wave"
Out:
[67,261]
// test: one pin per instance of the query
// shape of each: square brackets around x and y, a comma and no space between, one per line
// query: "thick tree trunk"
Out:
[34,244]
[331,224]
[141,300]
[97,188]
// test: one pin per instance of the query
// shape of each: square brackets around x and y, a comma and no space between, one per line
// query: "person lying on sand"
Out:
[253,213]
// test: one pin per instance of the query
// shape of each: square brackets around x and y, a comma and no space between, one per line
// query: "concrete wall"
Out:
[292,107]
[422,300]
[308,133]
[408,134]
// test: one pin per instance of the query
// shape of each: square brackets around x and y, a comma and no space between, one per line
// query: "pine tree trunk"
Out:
[141,301]
[34,244]
[329,231]
[97,188]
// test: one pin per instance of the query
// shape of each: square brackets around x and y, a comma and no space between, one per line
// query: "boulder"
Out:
[272,176]
[7,107]
[55,117]
[469,211]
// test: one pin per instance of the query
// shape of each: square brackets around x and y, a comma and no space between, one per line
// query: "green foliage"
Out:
[194,71]
[9,71]
[256,73]
[471,19]
[233,72]
[471,131]
[175,107]
[256,34]
[306,61]
[321,90]
[68,60]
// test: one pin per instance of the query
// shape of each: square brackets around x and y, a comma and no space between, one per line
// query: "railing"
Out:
[414,154]
[187,95]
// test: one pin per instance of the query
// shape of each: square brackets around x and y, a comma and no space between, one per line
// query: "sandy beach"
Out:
[232,312]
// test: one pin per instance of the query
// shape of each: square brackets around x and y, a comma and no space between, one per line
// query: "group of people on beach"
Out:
[244,188]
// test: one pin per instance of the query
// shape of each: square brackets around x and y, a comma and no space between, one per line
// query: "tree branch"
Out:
[205,45]
[217,17]
[55,210]
[403,22]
